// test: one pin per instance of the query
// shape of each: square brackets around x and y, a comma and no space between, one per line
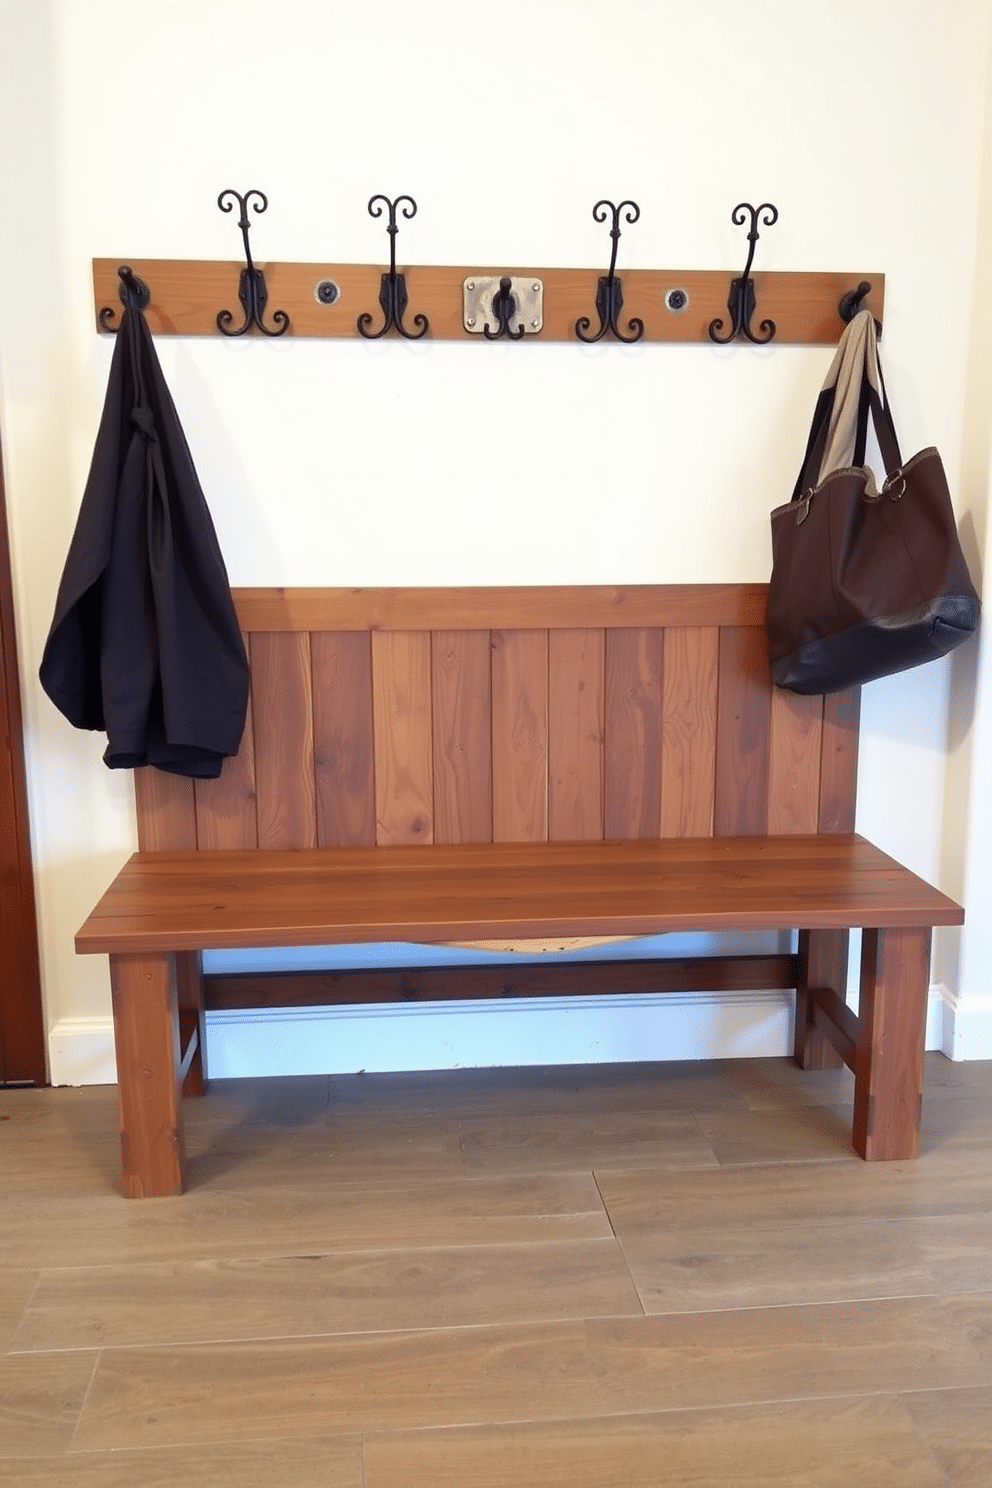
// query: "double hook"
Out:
[252,291]
[392,289]
[609,294]
[741,301]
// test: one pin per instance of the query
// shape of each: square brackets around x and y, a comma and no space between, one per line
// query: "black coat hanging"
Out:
[145,641]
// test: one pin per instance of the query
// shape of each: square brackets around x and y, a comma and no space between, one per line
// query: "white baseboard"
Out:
[966,1025]
[581,1030]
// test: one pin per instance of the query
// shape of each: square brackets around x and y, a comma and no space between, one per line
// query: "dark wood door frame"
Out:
[22,1027]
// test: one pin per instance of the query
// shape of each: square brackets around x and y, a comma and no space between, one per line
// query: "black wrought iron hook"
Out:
[392,289]
[609,292]
[252,291]
[504,309]
[133,292]
[741,301]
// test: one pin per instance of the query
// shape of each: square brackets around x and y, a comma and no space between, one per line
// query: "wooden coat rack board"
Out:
[186,296]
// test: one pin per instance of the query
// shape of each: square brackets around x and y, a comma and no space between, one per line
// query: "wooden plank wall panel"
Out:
[575,734]
[282,712]
[794,769]
[166,809]
[520,735]
[839,766]
[401,706]
[690,673]
[461,675]
[342,727]
[743,733]
[632,747]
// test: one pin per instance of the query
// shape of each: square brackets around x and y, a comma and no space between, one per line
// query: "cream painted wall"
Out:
[354,463]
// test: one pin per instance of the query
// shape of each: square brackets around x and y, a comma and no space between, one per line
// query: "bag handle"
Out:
[853,392]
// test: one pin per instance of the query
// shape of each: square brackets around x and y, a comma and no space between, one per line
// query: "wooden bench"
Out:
[441,765]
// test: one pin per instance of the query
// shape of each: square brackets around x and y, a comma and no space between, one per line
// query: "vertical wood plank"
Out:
[892,1013]
[743,733]
[632,724]
[282,712]
[342,724]
[520,735]
[575,734]
[401,705]
[839,760]
[225,807]
[690,672]
[146,1041]
[462,694]
[166,810]
[794,762]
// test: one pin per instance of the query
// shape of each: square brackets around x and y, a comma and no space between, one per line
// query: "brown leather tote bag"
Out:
[865,581]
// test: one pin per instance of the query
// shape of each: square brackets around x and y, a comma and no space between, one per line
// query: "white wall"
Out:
[358,463]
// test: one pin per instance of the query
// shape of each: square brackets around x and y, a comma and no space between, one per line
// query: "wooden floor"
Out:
[624,1275]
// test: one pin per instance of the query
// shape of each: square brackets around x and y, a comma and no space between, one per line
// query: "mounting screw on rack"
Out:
[327,292]
[676,299]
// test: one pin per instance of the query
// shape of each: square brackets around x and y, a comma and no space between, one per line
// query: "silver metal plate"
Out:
[478,304]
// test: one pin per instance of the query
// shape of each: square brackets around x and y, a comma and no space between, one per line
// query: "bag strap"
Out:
[853,392]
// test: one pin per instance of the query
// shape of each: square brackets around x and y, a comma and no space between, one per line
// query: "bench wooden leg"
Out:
[888,1092]
[192,1021]
[149,1078]
[823,958]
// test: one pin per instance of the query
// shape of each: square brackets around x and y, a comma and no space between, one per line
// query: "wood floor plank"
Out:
[955,1426]
[334,1462]
[551,1143]
[732,1265]
[16,1288]
[248,1158]
[306,1295]
[48,1230]
[521,1372]
[764,1198]
[819,1444]
[40,1401]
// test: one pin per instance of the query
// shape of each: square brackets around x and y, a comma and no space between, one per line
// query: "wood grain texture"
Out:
[518,979]
[166,808]
[462,701]
[401,705]
[743,733]
[794,767]
[520,723]
[563,1370]
[282,716]
[226,808]
[633,732]
[528,607]
[839,760]
[888,1094]
[475,891]
[690,684]
[343,739]
[575,734]
[823,961]
[192,1013]
[146,1039]
[187,294]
